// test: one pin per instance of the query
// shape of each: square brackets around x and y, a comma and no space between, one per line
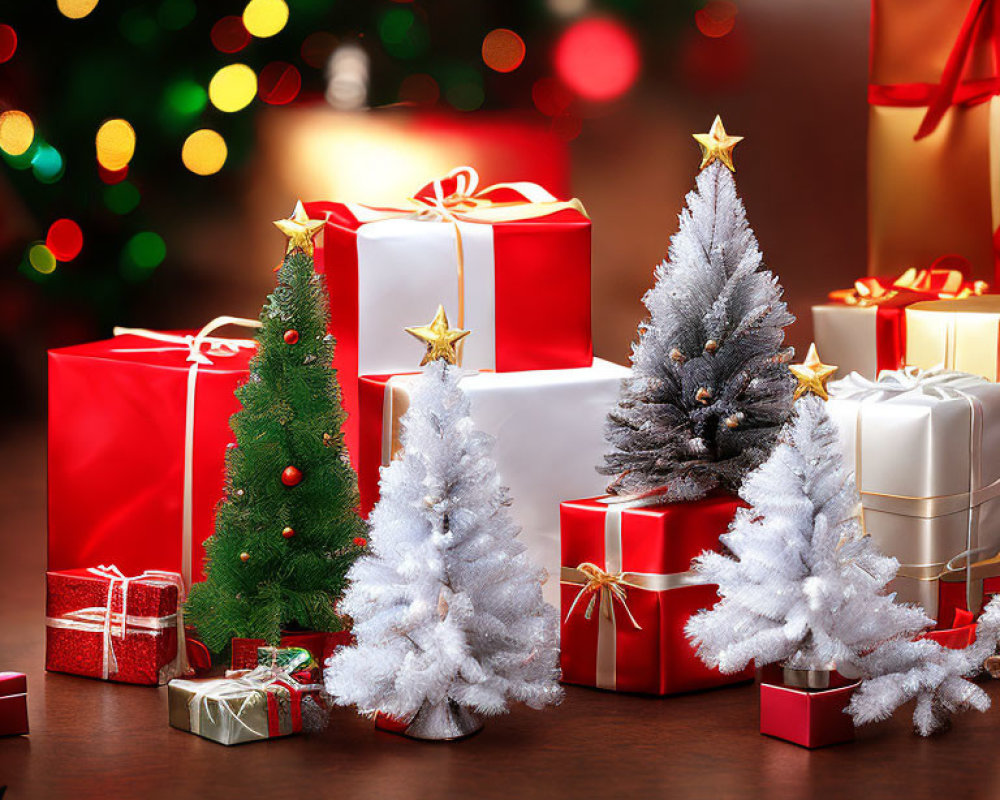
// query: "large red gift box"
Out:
[509,262]
[13,704]
[627,591]
[102,624]
[138,427]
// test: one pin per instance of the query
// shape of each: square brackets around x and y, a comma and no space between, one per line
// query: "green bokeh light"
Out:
[138,27]
[143,253]
[47,163]
[22,161]
[121,198]
[402,34]
[186,98]
[41,259]
[175,14]
[463,88]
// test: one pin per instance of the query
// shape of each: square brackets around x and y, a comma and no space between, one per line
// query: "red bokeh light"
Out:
[279,83]
[8,43]
[503,50]
[316,48]
[717,18]
[420,89]
[229,35]
[110,177]
[597,58]
[64,239]
[550,96]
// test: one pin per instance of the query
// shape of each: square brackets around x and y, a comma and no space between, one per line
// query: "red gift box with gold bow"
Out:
[103,624]
[627,591]
[934,134]
[863,329]
[510,262]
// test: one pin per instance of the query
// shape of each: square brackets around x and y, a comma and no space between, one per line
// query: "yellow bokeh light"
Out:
[115,144]
[232,87]
[41,258]
[263,18]
[204,152]
[17,132]
[76,9]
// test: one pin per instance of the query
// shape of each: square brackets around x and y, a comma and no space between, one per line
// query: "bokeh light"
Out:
[176,14]
[8,43]
[503,50]
[567,126]
[420,89]
[143,253]
[717,18]
[121,198]
[186,98]
[138,26]
[115,144]
[41,259]
[567,8]
[597,58]
[264,18]
[47,163]
[64,239]
[279,83]
[317,47]
[232,87]
[204,152]
[111,176]
[347,71]
[229,35]
[17,132]
[464,89]
[402,34]
[550,96]
[76,9]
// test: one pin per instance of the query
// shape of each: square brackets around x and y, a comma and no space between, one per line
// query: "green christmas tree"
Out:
[287,529]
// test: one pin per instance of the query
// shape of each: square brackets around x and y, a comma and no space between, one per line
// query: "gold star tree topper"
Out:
[717,144]
[812,375]
[299,229]
[439,337]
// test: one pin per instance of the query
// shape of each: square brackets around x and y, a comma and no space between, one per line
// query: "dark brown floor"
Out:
[93,739]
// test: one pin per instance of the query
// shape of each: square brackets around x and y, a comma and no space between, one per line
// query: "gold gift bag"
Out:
[934,134]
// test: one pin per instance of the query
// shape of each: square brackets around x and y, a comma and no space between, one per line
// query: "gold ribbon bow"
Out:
[603,586]
[943,284]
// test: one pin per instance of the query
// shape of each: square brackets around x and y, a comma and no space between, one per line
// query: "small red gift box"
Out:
[13,704]
[810,718]
[102,624]
[510,262]
[627,591]
[320,644]
[138,428]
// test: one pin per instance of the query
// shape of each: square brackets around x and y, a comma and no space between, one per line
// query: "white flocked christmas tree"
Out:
[804,585]
[448,610]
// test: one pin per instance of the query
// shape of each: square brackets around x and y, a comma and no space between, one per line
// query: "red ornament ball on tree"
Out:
[244,556]
[288,532]
[291,336]
[291,476]
[360,541]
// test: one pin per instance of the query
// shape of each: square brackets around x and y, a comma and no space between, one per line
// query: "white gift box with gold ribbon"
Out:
[926,449]
[955,334]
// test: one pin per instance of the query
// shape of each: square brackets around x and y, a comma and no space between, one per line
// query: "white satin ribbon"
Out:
[196,356]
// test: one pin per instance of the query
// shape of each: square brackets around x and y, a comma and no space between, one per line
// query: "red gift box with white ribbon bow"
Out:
[103,624]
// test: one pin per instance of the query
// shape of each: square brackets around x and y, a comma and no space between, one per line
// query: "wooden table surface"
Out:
[102,740]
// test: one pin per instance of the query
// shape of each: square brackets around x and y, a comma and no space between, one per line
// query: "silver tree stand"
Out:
[443,722]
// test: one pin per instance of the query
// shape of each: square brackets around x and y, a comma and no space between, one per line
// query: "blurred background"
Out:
[147,144]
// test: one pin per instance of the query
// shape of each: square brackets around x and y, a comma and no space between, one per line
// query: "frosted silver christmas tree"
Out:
[447,608]
[709,389]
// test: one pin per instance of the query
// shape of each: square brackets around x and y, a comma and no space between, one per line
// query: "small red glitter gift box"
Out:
[13,704]
[320,644]
[102,624]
